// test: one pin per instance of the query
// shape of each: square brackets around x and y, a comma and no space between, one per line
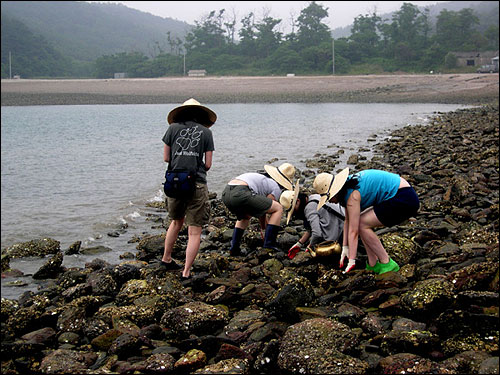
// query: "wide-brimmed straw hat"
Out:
[190,105]
[288,199]
[283,174]
[327,186]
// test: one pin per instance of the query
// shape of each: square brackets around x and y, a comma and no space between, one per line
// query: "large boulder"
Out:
[318,346]
[195,318]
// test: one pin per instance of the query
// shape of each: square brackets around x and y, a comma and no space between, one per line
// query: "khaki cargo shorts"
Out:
[196,211]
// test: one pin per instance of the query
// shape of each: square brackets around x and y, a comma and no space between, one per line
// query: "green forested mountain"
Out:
[81,32]
[80,39]
[32,52]
[85,31]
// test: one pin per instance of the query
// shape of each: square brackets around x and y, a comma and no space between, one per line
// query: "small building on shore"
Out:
[121,75]
[197,73]
[475,58]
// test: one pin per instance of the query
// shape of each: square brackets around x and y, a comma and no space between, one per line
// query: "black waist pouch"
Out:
[180,184]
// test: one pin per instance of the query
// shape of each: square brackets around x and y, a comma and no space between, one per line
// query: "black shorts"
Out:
[399,208]
[242,202]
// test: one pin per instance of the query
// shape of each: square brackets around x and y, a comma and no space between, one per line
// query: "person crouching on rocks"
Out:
[256,195]
[325,224]
[373,198]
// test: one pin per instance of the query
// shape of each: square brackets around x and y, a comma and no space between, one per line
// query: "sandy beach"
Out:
[436,88]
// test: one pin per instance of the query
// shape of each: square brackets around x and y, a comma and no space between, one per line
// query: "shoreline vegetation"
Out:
[264,313]
[473,88]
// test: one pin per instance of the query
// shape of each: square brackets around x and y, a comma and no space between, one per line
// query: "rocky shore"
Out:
[264,313]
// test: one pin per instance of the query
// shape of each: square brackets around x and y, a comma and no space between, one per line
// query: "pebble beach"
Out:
[262,313]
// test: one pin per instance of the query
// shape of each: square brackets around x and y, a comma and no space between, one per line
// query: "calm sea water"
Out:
[77,173]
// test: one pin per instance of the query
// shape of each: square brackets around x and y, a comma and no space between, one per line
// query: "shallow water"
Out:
[77,173]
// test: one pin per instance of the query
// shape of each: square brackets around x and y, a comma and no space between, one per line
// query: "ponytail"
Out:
[352,183]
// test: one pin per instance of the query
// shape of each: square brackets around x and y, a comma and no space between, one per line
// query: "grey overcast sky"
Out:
[341,13]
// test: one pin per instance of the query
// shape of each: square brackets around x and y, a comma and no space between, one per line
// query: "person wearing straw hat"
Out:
[188,145]
[321,225]
[256,195]
[373,198]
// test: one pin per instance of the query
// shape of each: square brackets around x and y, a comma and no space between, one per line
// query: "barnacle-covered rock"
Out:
[296,292]
[471,341]
[413,341]
[195,318]
[35,248]
[243,324]
[26,319]
[191,361]
[102,283]
[400,248]
[226,366]
[428,297]
[63,361]
[468,362]
[477,276]
[8,307]
[139,315]
[160,363]
[408,363]
[51,268]
[317,346]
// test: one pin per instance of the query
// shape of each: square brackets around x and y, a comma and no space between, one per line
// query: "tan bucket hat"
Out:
[191,104]
[283,174]
[288,199]
[327,186]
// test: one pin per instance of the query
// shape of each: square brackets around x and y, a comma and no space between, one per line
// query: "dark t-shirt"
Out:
[188,143]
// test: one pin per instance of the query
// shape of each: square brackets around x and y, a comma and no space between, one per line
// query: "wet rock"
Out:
[102,283]
[159,363]
[428,297]
[226,366]
[124,346]
[5,262]
[51,268]
[191,361]
[195,318]
[296,292]
[45,336]
[410,363]
[317,346]
[36,248]
[62,361]
[74,248]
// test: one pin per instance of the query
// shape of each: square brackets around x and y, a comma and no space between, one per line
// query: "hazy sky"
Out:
[341,13]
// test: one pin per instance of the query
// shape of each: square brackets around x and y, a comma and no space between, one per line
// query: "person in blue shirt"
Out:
[372,198]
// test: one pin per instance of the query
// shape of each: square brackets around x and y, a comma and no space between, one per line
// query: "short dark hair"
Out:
[193,114]
[302,205]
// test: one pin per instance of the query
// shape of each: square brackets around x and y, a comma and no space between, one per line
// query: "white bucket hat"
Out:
[283,174]
[189,105]
[288,199]
[327,186]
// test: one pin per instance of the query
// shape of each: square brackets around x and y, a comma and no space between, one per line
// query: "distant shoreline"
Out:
[471,88]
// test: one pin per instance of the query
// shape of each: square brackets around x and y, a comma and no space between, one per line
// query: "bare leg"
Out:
[243,223]
[193,245]
[374,248]
[172,233]
[276,211]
